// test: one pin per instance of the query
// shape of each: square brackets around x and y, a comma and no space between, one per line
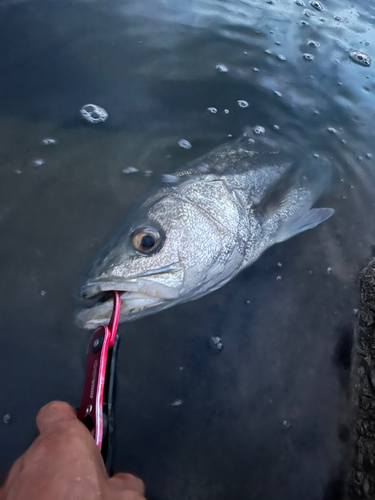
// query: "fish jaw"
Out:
[140,296]
[133,306]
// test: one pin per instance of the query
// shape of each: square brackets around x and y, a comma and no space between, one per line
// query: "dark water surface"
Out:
[268,417]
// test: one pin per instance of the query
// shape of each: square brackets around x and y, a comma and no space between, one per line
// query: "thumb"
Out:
[54,415]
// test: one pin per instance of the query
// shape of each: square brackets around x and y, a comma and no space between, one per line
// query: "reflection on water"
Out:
[263,416]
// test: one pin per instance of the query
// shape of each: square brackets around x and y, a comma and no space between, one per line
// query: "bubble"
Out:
[276,127]
[279,94]
[313,43]
[329,270]
[300,3]
[267,51]
[271,2]
[177,403]
[304,23]
[259,130]
[248,302]
[48,141]
[18,171]
[281,57]
[212,110]
[277,43]
[256,70]
[332,130]
[338,18]
[37,162]
[93,113]
[183,143]
[287,424]
[130,170]
[309,13]
[279,264]
[317,5]
[355,312]
[360,58]
[278,278]
[242,104]
[148,173]
[216,343]
[170,178]
[315,155]
[229,135]
[7,418]
[43,293]
[226,111]
[369,156]
[308,57]
[221,68]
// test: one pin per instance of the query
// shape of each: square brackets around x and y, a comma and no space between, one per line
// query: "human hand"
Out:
[64,463]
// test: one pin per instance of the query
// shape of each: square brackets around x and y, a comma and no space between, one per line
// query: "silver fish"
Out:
[189,237]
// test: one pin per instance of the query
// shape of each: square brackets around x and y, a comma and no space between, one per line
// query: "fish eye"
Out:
[146,240]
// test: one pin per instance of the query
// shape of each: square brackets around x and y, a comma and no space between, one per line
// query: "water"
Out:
[266,417]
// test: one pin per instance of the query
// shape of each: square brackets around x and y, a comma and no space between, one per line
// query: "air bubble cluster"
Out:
[93,113]
[216,343]
[259,130]
[48,141]
[360,58]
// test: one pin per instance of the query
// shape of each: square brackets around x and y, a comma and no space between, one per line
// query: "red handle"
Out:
[90,411]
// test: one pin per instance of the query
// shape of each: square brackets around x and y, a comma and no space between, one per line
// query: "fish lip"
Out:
[94,289]
[138,283]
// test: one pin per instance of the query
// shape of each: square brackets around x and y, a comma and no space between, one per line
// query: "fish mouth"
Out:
[140,297]
[133,306]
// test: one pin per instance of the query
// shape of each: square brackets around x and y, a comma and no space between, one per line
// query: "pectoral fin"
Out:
[311,219]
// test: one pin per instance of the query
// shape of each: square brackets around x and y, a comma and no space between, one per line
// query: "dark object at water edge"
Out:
[362,473]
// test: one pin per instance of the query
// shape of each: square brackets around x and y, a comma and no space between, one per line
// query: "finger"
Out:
[123,481]
[51,416]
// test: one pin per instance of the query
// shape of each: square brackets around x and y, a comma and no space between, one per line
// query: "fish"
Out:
[197,228]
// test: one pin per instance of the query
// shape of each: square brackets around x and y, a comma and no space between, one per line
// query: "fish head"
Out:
[168,250]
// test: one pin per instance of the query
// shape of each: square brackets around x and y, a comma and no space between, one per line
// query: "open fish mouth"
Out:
[100,308]
[140,297]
